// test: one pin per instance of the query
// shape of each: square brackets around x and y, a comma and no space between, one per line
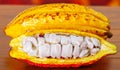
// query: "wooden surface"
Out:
[8,12]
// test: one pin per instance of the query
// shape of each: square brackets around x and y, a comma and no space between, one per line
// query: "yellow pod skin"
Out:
[63,19]
[16,52]
[55,16]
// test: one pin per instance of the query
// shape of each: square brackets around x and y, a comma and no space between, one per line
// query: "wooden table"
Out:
[8,12]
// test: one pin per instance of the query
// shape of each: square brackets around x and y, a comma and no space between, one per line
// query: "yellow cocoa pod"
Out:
[17,52]
[64,16]
[61,19]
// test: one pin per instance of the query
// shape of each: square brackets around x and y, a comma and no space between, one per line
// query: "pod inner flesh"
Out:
[51,45]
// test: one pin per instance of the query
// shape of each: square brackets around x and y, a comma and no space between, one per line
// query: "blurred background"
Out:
[82,2]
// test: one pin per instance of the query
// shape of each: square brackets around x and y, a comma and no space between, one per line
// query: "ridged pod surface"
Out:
[59,16]
[64,19]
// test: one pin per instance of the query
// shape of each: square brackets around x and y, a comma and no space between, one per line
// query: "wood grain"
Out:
[8,12]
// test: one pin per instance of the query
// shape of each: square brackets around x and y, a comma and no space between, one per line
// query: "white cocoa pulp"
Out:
[60,46]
